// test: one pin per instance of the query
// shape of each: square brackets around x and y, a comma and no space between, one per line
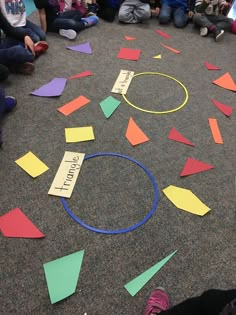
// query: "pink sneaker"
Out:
[158,301]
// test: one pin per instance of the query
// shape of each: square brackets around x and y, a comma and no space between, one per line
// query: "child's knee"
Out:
[164,19]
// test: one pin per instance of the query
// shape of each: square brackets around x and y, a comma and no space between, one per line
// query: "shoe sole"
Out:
[220,36]
[204,32]
[70,35]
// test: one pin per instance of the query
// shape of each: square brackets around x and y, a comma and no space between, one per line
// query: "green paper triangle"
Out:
[137,283]
[62,275]
[109,105]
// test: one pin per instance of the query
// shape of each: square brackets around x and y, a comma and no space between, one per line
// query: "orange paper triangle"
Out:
[225,109]
[134,134]
[82,74]
[210,66]
[215,130]
[193,166]
[226,82]
[172,49]
[176,136]
[129,38]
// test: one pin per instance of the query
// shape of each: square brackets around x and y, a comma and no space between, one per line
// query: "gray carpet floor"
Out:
[114,193]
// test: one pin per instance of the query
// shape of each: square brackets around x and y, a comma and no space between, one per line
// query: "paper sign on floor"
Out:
[123,81]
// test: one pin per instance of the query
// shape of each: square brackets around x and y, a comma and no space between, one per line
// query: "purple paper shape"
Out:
[84,48]
[51,89]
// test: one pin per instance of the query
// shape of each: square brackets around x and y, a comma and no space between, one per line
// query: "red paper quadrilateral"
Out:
[193,166]
[163,34]
[134,134]
[225,109]
[16,224]
[176,136]
[129,54]
[129,38]
[81,75]
[210,66]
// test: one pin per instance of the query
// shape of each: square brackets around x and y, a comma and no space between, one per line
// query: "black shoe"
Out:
[218,34]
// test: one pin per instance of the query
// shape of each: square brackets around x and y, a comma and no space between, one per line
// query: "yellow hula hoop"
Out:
[166,111]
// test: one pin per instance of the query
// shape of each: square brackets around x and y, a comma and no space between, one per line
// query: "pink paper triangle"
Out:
[226,82]
[81,75]
[16,224]
[176,136]
[193,166]
[225,109]
[210,66]
[129,38]
[134,134]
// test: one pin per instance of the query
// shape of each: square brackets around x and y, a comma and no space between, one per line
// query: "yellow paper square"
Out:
[31,164]
[79,134]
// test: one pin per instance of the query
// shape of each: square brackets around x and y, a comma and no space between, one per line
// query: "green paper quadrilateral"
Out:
[137,283]
[62,275]
[109,105]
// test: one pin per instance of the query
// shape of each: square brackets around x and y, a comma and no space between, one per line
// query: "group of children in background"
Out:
[23,41]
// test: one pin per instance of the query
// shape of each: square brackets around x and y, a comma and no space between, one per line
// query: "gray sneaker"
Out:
[203,31]
[70,34]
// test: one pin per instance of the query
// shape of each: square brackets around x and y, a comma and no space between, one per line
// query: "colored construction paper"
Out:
[215,131]
[79,134]
[51,89]
[226,82]
[184,199]
[193,166]
[177,136]
[72,106]
[134,286]
[163,34]
[129,54]
[62,275]
[157,57]
[81,75]
[210,66]
[31,164]
[129,38]
[83,48]
[134,134]
[16,224]
[109,105]
[225,109]
[172,49]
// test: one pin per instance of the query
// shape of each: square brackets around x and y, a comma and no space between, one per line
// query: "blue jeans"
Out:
[67,20]
[179,16]
[13,52]
[34,31]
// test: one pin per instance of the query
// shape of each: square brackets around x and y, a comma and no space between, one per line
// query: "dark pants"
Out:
[222,22]
[67,20]
[179,16]
[211,302]
[34,31]
[4,72]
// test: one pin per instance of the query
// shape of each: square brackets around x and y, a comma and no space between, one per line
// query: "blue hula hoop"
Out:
[131,228]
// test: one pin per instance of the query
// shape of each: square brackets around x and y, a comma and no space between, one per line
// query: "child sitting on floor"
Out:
[80,5]
[134,11]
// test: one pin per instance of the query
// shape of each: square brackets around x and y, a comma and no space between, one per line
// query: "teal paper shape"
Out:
[137,283]
[62,275]
[109,105]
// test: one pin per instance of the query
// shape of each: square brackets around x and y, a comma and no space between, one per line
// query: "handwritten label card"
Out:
[66,176]
[123,81]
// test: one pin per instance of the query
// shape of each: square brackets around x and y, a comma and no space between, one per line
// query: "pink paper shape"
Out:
[16,224]
[176,136]
[83,48]
[51,89]
[129,54]
[225,109]
[81,75]
[210,66]
[226,82]
[129,38]
[193,166]
[163,34]
[134,134]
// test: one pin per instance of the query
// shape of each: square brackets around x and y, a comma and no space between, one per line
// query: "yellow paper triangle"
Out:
[157,57]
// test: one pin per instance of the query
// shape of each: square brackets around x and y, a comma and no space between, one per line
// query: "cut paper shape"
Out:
[172,49]
[109,105]
[177,136]
[79,134]
[72,106]
[163,34]
[129,38]
[122,82]
[226,82]
[215,131]
[129,54]
[134,134]
[16,224]
[193,166]
[209,66]
[157,57]
[83,48]
[134,286]
[225,109]
[52,89]
[31,164]
[81,75]
[184,199]
[62,275]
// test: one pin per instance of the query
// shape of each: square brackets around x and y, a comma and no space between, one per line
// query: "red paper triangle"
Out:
[129,38]
[16,224]
[209,66]
[226,82]
[134,134]
[193,166]
[176,136]
[82,74]
[163,34]
[225,109]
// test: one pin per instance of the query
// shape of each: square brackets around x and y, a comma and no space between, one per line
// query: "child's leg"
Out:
[165,14]
[222,22]
[15,55]
[4,72]
[37,33]
[69,20]
[180,18]
[126,12]
[202,20]
[142,11]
